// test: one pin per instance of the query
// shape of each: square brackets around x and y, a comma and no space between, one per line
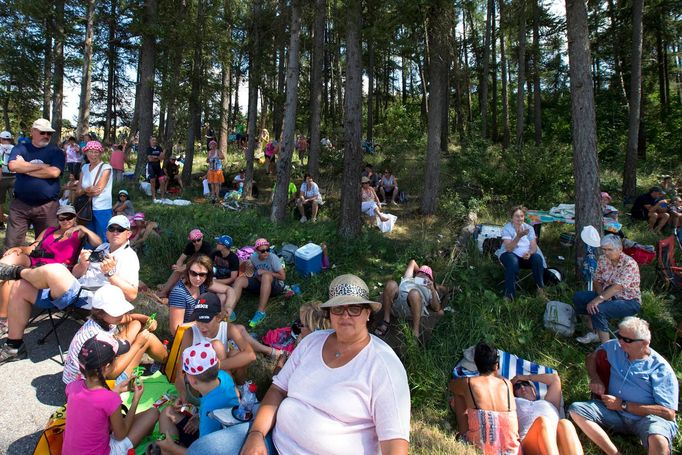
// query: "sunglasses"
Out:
[114,228]
[520,384]
[195,274]
[197,240]
[626,339]
[352,310]
[266,250]
[66,218]
[46,133]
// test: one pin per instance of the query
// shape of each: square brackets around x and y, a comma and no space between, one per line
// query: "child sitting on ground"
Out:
[96,424]
[202,367]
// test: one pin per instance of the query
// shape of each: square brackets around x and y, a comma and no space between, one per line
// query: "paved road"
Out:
[31,389]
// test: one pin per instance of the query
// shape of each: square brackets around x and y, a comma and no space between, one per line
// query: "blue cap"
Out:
[224,240]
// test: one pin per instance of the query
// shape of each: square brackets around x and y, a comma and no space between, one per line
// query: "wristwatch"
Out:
[110,273]
[624,405]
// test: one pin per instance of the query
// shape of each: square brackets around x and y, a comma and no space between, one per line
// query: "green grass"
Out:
[479,312]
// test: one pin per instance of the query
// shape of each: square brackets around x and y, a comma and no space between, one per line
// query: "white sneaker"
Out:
[589,337]
[304,219]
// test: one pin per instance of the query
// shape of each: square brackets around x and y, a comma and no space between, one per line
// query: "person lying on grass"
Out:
[201,366]
[484,406]
[233,350]
[640,397]
[265,277]
[111,315]
[195,245]
[541,430]
[415,297]
[141,230]
[96,423]
[197,279]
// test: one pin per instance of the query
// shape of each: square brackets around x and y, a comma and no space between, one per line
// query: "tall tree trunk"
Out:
[254,79]
[445,110]
[467,80]
[237,83]
[146,88]
[195,93]
[86,78]
[316,88]
[135,122]
[617,59]
[370,82]
[278,111]
[403,80]
[486,69]
[58,87]
[506,130]
[583,119]
[493,32]
[349,225]
[520,95]
[661,58]
[537,99]
[111,73]
[226,62]
[630,172]
[438,34]
[279,203]
[47,65]
[458,83]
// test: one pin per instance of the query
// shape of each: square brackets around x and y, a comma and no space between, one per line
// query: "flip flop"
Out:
[382,329]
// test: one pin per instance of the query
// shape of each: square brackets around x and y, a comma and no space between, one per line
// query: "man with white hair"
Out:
[37,165]
[640,396]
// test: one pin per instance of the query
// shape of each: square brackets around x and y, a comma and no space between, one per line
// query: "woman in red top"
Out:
[60,244]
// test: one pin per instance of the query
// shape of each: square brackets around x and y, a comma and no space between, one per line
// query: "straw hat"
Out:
[349,290]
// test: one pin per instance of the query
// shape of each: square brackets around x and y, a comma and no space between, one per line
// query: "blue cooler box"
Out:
[308,259]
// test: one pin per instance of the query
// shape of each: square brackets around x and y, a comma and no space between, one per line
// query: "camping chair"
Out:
[666,266]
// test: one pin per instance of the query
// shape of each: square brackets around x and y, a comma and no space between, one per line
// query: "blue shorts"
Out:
[71,297]
[276,289]
[620,422]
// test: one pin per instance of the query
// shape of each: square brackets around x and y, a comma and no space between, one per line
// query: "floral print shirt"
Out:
[625,274]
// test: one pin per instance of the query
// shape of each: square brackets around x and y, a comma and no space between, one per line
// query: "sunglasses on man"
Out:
[117,229]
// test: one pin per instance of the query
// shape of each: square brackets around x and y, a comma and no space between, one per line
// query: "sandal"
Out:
[382,329]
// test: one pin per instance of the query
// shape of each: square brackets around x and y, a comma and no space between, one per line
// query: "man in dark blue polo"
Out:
[37,165]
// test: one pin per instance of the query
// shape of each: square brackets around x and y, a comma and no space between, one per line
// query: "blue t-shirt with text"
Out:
[34,190]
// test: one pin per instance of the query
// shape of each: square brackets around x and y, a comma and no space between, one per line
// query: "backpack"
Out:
[288,252]
[560,318]
[402,198]
[52,438]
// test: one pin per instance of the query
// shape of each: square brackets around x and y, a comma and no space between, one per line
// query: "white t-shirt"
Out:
[343,410]
[527,411]
[127,268]
[523,245]
[103,201]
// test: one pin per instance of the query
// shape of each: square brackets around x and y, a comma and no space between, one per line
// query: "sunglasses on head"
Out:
[194,273]
[352,310]
[114,228]
[626,339]
[66,217]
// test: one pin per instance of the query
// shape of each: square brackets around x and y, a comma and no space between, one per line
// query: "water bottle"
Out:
[247,401]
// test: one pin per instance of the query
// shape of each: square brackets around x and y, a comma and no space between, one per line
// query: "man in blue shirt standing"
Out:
[640,397]
[37,165]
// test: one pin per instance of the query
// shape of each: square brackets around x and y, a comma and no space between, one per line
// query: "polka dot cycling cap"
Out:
[198,358]
[349,290]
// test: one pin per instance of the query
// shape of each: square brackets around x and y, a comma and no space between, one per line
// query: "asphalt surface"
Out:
[32,389]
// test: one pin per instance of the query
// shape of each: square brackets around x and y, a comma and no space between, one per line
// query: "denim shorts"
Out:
[619,422]
[254,286]
[45,301]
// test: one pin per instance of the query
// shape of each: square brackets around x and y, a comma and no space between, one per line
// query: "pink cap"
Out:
[139,216]
[212,142]
[425,269]
[195,234]
[261,242]
[93,145]
[198,358]
[605,195]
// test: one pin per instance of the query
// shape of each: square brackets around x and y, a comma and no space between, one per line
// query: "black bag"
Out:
[83,206]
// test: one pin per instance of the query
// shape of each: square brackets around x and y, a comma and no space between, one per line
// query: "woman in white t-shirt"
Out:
[96,183]
[520,250]
[342,391]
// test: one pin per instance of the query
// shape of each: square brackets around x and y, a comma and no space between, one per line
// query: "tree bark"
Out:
[349,225]
[370,83]
[438,34]
[226,62]
[254,78]
[58,87]
[630,171]
[316,88]
[506,130]
[583,119]
[537,99]
[47,67]
[520,95]
[146,86]
[279,203]
[493,32]
[86,77]
[111,73]
[486,70]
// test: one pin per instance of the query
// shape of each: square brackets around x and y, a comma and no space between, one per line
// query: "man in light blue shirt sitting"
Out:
[641,397]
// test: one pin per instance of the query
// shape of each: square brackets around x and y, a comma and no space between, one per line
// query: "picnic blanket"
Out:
[510,366]
[561,214]
[178,202]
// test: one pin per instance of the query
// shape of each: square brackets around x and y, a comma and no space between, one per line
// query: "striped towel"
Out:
[510,366]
